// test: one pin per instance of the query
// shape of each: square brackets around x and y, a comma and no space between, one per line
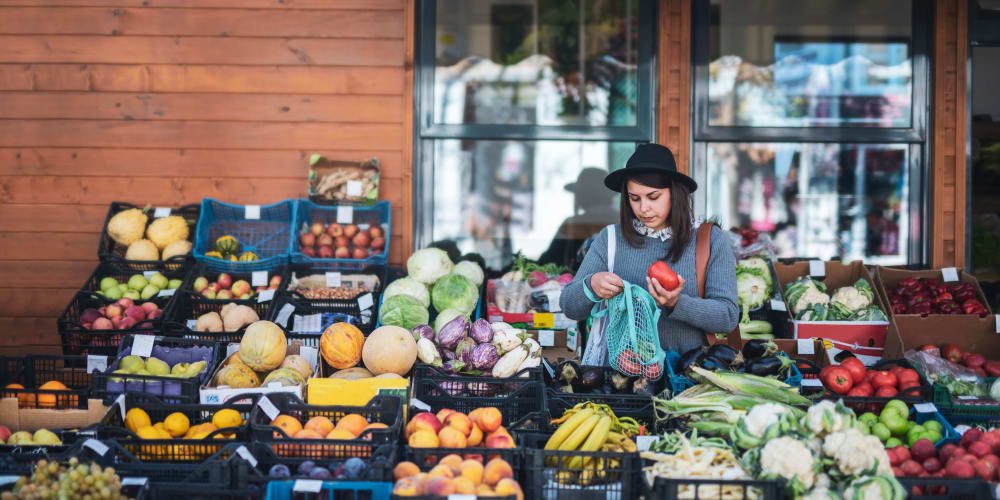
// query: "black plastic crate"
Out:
[366,320]
[378,467]
[947,488]
[624,405]
[212,275]
[515,397]
[382,409]
[19,459]
[189,306]
[177,450]
[708,489]
[547,478]
[110,251]
[32,372]
[920,394]
[428,457]
[108,385]
[24,465]
[122,271]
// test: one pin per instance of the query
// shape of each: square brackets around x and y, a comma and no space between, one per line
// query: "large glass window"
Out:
[810,120]
[523,107]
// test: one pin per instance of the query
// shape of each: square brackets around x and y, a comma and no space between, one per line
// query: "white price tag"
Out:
[546,338]
[307,485]
[232,349]
[258,278]
[548,367]
[268,407]
[98,447]
[571,339]
[354,188]
[283,315]
[166,293]
[778,305]
[120,403]
[996,320]
[925,407]
[420,405]
[345,215]
[311,354]
[161,212]
[96,362]
[142,345]
[192,324]
[552,296]
[806,347]
[134,481]
[309,323]
[644,442]
[244,453]
[461,496]
[333,280]
[949,274]
[366,301]
[967,397]
[265,296]
[148,274]
[252,212]
[817,269]
[811,382]
[8,479]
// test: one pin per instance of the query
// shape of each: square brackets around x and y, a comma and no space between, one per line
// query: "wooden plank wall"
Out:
[948,118]
[169,101]
[673,112]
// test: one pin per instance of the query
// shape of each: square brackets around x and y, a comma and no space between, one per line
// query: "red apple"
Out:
[376,231]
[309,252]
[4,433]
[224,295]
[971,436]
[342,253]
[932,465]
[980,449]
[378,243]
[361,240]
[335,230]
[316,229]
[341,242]
[325,252]
[993,459]
[307,240]
[224,280]
[985,470]
[911,468]
[903,453]
[325,241]
[359,253]
[114,311]
[350,230]
[922,450]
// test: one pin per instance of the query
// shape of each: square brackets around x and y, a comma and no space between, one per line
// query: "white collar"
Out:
[661,234]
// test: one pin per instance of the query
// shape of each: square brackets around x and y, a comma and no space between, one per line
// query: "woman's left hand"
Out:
[663,297]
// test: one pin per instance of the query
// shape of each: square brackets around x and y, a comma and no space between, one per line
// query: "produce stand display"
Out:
[282,356]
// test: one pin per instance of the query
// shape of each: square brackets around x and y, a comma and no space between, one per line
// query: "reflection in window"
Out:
[540,197]
[545,62]
[774,63]
[819,200]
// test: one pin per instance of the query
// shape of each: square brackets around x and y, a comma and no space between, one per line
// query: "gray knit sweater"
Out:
[683,327]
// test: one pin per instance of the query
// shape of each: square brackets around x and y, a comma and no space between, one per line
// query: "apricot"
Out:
[441,470]
[289,424]
[459,421]
[407,487]
[489,419]
[475,437]
[507,487]
[439,487]
[405,469]
[307,434]
[339,433]
[425,421]
[463,486]
[320,424]
[451,437]
[423,439]
[500,441]
[484,491]
[471,470]
[496,470]
[373,425]
[451,460]
[353,423]
[443,414]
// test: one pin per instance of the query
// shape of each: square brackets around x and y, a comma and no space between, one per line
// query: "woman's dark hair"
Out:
[679,219]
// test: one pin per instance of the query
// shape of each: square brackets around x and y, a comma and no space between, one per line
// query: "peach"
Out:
[476,437]
[316,229]
[484,491]
[339,433]
[439,487]
[506,487]
[423,439]
[290,425]
[441,470]
[373,426]
[443,414]
[489,419]
[451,460]
[353,423]
[405,469]
[496,470]
[451,437]
[378,244]
[307,434]
[320,424]
[471,470]
[463,486]
[459,421]
[500,441]
[408,487]
[475,457]
[426,421]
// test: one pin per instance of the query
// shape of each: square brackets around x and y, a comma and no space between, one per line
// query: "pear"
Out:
[20,437]
[116,379]
[131,364]
[142,372]
[46,437]
[156,366]
[179,369]
[195,369]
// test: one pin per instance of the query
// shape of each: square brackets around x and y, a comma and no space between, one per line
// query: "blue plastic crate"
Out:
[307,212]
[269,236]
[678,383]
[282,490]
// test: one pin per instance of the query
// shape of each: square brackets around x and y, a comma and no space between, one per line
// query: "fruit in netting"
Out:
[341,345]
[127,226]
[166,230]
[390,349]
[142,250]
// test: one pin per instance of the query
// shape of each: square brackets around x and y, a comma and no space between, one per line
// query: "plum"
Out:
[89,315]
[321,473]
[306,467]
[279,470]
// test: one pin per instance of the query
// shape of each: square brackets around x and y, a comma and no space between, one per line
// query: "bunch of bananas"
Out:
[593,428]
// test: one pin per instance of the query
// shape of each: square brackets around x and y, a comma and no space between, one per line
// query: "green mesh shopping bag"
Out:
[632,338]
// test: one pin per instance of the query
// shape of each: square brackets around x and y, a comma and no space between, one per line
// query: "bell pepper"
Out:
[909,286]
[949,307]
[895,298]
[943,297]
[964,295]
[930,282]
[972,306]
[917,298]
[899,308]
[922,307]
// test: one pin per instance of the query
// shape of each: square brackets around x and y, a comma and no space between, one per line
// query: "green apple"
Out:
[149,291]
[123,287]
[132,294]
[173,284]
[880,431]
[159,281]
[915,430]
[910,424]
[895,423]
[108,283]
[131,364]
[113,293]
[892,443]
[868,418]
[899,405]
[933,436]
[137,282]
[932,425]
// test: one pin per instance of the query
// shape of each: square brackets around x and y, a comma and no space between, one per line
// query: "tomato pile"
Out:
[852,378]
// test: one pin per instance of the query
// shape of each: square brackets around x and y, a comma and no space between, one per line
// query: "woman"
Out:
[655,223]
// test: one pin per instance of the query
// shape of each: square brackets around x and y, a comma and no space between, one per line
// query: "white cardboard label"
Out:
[333,280]
[967,397]
[949,274]
[166,293]
[8,479]
[778,305]
[461,496]
[161,212]
[311,355]
[258,278]
[345,215]
[420,405]
[811,382]
[996,320]
[571,339]
[283,315]
[546,338]
[925,407]
[148,274]
[265,295]
[269,409]
[307,485]
[817,268]
[120,403]
[353,188]
[134,481]
[644,442]
[252,212]
[192,324]
[806,346]
[309,323]
[97,446]
[96,362]
[142,345]
[232,349]
[366,301]
[548,367]
[243,452]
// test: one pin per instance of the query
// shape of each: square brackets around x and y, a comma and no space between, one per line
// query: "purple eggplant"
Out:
[424,331]
[481,331]
[452,366]
[452,332]
[447,354]
[464,350]
[484,356]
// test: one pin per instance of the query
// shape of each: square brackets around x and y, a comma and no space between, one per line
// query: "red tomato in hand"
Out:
[884,379]
[838,380]
[662,273]
[856,368]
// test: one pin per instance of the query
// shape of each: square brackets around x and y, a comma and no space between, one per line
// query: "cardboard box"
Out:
[340,392]
[32,419]
[557,345]
[212,395]
[331,181]
[866,339]
[888,278]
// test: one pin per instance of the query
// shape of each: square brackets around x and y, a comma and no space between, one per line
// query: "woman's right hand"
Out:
[606,285]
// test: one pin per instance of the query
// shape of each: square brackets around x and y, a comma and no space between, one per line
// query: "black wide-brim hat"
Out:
[649,158]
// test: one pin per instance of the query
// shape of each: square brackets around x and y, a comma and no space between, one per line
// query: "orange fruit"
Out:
[353,423]
[290,425]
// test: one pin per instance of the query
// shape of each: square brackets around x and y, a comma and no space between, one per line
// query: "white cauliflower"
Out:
[816,445]
[851,298]
[763,416]
[881,487]
[823,481]
[826,417]
[819,493]
[856,453]
[811,296]
[789,458]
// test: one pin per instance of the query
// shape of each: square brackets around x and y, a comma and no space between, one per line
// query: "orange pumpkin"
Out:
[341,345]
